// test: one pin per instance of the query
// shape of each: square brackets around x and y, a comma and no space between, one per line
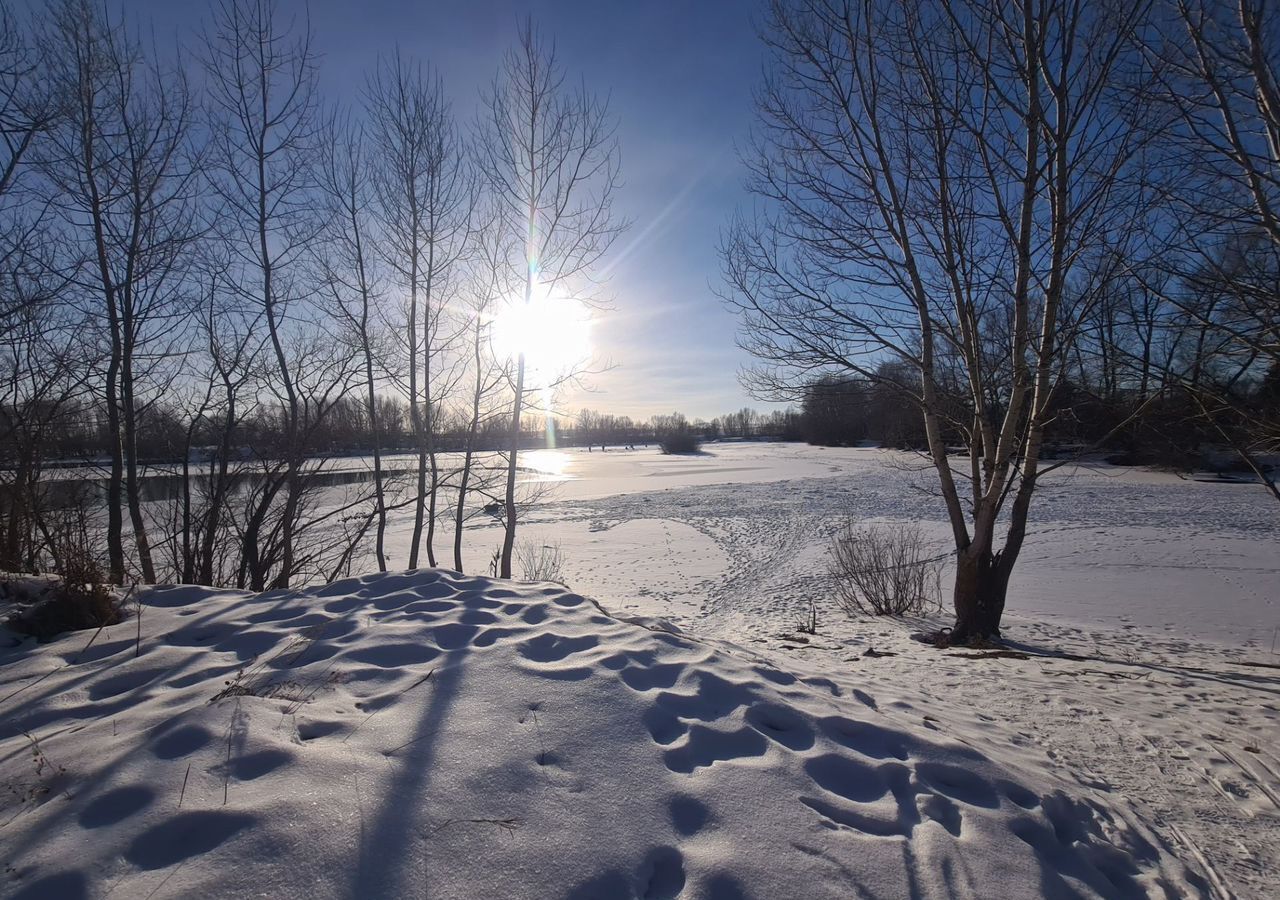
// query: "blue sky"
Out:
[680,76]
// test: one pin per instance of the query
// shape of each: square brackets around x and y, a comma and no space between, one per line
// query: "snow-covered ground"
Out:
[425,734]
[740,532]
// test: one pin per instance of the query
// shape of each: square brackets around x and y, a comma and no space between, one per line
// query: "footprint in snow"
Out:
[181,742]
[184,836]
[688,815]
[115,806]
[550,647]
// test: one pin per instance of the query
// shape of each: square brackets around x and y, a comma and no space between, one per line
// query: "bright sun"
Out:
[553,333]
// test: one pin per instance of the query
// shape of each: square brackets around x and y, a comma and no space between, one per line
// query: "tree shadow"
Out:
[386,843]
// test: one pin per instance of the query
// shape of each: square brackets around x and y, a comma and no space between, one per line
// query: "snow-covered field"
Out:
[740,532]
[425,734]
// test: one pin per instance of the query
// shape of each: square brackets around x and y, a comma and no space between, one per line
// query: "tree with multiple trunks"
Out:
[939,186]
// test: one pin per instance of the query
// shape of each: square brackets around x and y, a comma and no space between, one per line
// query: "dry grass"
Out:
[541,562]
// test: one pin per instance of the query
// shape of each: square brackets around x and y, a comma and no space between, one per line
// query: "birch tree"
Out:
[348,263]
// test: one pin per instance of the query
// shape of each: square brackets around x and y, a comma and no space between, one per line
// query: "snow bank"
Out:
[428,734]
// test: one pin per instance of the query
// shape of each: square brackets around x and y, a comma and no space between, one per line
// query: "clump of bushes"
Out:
[79,597]
[885,570]
[680,442]
[80,600]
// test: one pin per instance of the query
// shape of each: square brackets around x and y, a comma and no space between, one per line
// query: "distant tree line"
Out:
[1163,421]
[593,429]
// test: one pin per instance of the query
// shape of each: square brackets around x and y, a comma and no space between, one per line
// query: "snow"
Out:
[433,734]
[423,733]
[1118,547]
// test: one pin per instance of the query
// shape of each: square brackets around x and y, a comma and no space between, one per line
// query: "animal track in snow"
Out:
[705,746]
[688,815]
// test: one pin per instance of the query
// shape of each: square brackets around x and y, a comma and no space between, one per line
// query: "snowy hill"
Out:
[428,734]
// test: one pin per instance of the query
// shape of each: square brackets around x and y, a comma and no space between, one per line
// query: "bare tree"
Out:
[487,285]
[1220,66]
[425,197]
[121,163]
[222,363]
[937,182]
[263,144]
[550,158]
[25,106]
[27,109]
[42,379]
[350,276]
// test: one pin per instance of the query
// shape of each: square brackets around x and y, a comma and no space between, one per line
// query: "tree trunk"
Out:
[219,488]
[293,493]
[379,494]
[415,413]
[420,500]
[188,569]
[982,582]
[509,538]
[115,481]
[470,450]
[133,489]
[13,517]
[428,429]
[431,509]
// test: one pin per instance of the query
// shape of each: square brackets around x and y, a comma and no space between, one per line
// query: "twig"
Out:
[226,775]
[183,793]
[407,743]
[32,684]
[420,681]
[360,724]
[85,648]
[508,825]
[542,747]
[992,654]
[1127,676]
[137,645]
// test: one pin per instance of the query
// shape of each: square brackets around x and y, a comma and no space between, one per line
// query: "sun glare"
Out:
[550,464]
[553,332]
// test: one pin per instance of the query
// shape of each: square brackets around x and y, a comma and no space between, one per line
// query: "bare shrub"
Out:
[541,562]
[809,624]
[80,601]
[885,570]
[81,598]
